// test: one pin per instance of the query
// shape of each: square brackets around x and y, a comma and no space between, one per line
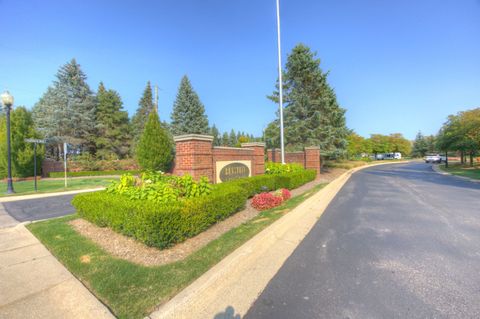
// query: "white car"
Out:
[433,159]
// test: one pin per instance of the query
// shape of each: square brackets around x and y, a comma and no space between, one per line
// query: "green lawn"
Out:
[131,290]
[46,186]
[462,170]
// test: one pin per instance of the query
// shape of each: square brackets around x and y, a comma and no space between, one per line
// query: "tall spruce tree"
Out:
[155,149]
[225,139]
[188,116]
[232,138]
[66,111]
[216,135]
[112,125]
[312,115]
[145,107]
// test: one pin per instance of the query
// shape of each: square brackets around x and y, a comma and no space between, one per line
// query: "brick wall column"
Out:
[194,156]
[312,158]
[273,155]
[258,158]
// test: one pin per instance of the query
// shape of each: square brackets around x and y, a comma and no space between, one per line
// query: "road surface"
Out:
[398,241]
[40,208]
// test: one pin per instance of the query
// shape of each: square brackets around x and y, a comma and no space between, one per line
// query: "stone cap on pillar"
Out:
[253,144]
[312,147]
[193,137]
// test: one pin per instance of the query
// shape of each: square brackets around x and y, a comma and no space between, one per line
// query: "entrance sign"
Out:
[228,170]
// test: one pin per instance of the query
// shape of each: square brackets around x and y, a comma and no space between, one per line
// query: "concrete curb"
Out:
[239,278]
[43,195]
[437,170]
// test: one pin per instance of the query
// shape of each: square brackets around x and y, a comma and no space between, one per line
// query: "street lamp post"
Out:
[7,101]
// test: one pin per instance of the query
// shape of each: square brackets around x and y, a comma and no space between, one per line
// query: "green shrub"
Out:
[91,173]
[295,179]
[256,184]
[279,168]
[155,149]
[160,225]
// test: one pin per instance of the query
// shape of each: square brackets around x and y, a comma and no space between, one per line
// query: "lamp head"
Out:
[7,99]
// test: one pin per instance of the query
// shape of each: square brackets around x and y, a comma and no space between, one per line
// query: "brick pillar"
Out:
[273,155]
[194,155]
[312,158]
[258,159]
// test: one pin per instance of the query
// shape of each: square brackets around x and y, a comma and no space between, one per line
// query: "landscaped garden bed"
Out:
[131,289]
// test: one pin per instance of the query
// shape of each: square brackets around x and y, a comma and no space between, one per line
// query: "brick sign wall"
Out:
[309,158]
[196,155]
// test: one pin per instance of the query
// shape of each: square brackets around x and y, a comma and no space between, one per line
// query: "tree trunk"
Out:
[446,159]
[471,158]
[462,158]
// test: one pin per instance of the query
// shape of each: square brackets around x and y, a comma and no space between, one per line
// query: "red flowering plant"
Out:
[284,193]
[264,201]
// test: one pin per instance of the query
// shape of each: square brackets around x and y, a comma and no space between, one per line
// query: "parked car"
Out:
[433,158]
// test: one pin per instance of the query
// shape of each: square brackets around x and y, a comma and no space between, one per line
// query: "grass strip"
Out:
[131,290]
[48,186]
[462,170]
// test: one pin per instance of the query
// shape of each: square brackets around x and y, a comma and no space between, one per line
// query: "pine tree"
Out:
[225,139]
[232,139]
[112,125]
[22,152]
[420,146]
[188,116]
[155,149]
[312,115]
[216,135]
[145,107]
[66,110]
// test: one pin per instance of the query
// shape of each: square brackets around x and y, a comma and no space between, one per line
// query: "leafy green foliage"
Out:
[155,148]
[188,116]
[160,188]
[461,133]
[22,127]
[279,168]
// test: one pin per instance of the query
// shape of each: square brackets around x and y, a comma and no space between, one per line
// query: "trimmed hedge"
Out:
[164,225]
[91,173]
[159,225]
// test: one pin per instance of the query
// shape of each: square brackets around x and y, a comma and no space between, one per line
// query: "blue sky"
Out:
[397,66]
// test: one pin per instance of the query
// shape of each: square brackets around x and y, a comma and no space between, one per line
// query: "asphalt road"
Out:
[40,208]
[398,241]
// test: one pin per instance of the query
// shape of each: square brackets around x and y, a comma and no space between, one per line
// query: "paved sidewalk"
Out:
[33,284]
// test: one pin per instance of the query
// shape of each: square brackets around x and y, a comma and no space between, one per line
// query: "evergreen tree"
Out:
[312,115]
[225,139]
[155,149]
[66,110]
[22,152]
[216,135]
[232,138]
[188,116]
[420,146]
[112,124]
[145,107]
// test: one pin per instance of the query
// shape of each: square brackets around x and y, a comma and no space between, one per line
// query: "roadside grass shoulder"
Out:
[48,186]
[462,170]
[131,290]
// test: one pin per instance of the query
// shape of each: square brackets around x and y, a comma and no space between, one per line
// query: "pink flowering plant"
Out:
[264,201]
